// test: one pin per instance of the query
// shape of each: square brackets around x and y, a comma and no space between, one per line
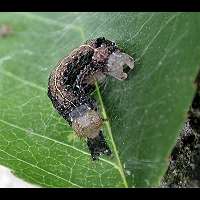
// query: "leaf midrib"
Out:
[110,135]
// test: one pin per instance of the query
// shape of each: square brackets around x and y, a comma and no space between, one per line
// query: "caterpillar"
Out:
[73,80]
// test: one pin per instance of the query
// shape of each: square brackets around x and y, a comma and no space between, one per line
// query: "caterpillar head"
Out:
[116,62]
[88,125]
[108,53]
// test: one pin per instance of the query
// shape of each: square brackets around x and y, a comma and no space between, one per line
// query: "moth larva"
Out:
[72,81]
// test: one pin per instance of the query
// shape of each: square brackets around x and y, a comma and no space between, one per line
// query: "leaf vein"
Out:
[64,144]
[32,165]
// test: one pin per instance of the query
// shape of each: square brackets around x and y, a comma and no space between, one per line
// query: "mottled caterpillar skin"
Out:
[72,81]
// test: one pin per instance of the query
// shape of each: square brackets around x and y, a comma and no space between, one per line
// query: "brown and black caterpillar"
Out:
[72,81]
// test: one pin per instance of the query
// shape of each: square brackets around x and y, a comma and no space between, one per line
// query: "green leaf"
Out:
[145,112]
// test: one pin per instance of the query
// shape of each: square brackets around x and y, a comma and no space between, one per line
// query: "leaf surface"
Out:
[145,112]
